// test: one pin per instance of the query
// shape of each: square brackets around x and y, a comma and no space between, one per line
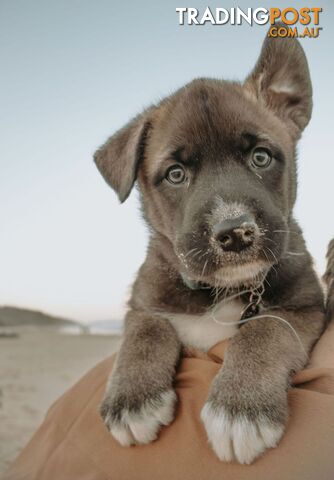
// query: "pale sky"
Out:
[72,72]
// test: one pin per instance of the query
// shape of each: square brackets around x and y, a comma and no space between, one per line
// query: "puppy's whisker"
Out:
[270,240]
[295,253]
[204,254]
[194,253]
[272,267]
[204,267]
[286,231]
[275,258]
[265,254]
[190,251]
[197,253]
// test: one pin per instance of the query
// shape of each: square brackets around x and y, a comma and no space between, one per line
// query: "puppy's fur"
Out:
[187,290]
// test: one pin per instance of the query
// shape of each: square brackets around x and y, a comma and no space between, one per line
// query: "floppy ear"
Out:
[281,79]
[119,158]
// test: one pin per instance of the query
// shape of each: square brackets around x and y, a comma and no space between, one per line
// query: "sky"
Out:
[72,73]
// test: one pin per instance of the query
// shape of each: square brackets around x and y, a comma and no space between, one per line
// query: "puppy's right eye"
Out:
[176,174]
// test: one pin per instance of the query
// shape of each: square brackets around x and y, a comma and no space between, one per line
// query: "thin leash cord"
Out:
[232,297]
[275,317]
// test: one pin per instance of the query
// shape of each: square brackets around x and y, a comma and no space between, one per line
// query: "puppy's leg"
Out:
[140,396]
[247,408]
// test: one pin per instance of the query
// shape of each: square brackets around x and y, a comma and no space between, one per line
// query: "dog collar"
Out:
[253,298]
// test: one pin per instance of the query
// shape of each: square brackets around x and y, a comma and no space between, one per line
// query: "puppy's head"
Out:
[215,163]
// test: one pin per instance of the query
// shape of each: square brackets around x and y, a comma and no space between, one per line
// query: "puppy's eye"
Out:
[176,174]
[261,158]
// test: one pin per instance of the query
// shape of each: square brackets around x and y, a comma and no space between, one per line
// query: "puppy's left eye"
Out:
[176,174]
[261,158]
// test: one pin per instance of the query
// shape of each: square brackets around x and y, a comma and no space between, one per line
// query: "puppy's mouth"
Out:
[248,274]
[230,276]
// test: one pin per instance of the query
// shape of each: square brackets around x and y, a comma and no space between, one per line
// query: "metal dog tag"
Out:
[251,310]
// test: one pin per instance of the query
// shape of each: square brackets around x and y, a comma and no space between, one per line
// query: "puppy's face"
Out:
[218,179]
[216,168]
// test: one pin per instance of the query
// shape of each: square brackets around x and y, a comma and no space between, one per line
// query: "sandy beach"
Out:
[35,369]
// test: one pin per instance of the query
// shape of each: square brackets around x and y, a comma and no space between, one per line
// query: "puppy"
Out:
[216,168]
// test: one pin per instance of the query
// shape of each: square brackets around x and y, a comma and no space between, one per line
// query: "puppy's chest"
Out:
[204,331]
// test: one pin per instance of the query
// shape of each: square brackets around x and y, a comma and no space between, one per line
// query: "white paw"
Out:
[143,426]
[239,438]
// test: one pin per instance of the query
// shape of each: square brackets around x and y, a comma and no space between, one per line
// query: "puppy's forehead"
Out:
[213,113]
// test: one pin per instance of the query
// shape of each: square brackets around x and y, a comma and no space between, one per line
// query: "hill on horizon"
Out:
[15,316]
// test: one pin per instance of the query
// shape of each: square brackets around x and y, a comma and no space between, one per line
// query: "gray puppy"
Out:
[216,168]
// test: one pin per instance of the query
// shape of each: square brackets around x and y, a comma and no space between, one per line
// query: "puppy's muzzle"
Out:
[236,234]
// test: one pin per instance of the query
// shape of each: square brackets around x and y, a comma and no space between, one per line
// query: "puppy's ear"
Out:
[119,158]
[281,79]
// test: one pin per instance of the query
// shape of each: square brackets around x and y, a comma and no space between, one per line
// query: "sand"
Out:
[35,369]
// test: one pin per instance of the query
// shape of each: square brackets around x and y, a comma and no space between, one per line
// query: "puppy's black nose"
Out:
[235,234]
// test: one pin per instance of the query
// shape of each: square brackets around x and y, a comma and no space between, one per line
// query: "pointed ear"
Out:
[119,158]
[281,79]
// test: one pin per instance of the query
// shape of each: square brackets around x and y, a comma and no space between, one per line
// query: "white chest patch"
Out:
[204,331]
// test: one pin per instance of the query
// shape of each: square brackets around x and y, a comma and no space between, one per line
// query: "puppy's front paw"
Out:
[139,425]
[245,417]
[241,436]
